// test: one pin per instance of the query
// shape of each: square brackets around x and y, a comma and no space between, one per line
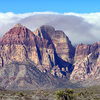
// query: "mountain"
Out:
[46,59]
[87,62]
[30,60]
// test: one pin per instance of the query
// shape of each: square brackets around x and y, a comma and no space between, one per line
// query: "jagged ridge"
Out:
[45,57]
[42,49]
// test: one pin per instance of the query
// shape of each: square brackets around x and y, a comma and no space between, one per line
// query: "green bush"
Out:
[81,94]
[85,93]
[59,94]
[20,94]
[66,94]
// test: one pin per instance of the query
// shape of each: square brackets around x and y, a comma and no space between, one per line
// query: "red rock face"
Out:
[82,51]
[17,35]
[46,49]
[87,62]
[27,57]
[22,35]
[63,49]
[60,41]
[21,41]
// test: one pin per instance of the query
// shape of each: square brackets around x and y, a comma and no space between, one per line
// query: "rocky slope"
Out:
[45,58]
[62,44]
[33,59]
[87,62]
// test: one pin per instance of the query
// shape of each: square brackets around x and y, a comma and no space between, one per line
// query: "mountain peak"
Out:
[46,27]
[18,34]
[44,31]
[18,25]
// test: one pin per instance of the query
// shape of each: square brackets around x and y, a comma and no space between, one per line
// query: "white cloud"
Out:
[79,27]
[9,17]
[92,18]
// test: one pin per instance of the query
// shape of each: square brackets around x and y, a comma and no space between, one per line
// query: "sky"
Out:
[61,6]
[79,19]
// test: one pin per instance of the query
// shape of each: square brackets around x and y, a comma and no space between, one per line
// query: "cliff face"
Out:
[27,56]
[45,58]
[87,65]
[20,44]
[61,42]
[63,49]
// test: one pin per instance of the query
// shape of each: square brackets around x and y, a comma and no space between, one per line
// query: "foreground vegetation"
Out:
[91,93]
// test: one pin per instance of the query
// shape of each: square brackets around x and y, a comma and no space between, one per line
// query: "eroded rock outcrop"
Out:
[61,42]
[20,44]
[45,58]
[63,49]
[87,63]
[45,53]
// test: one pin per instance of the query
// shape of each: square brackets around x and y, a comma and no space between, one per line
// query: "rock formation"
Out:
[45,58]
[62,44]
[34,59]
[87,62]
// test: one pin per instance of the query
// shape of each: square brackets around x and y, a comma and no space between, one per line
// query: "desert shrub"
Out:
[81,94]
[85,94]
[20,94]
[46,94]
[66,94]
[59,94]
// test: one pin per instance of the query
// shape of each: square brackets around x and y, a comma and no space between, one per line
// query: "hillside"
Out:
[45,58]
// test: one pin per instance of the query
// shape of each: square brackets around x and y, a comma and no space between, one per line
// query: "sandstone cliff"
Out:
[61,42]
[34,59]
[87,62]
[45,58]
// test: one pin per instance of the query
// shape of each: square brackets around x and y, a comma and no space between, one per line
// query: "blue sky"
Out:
[61,6]
[83,22]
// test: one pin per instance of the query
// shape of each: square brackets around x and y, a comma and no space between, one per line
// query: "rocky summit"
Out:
[87,62]
[39,59]
[45,58]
